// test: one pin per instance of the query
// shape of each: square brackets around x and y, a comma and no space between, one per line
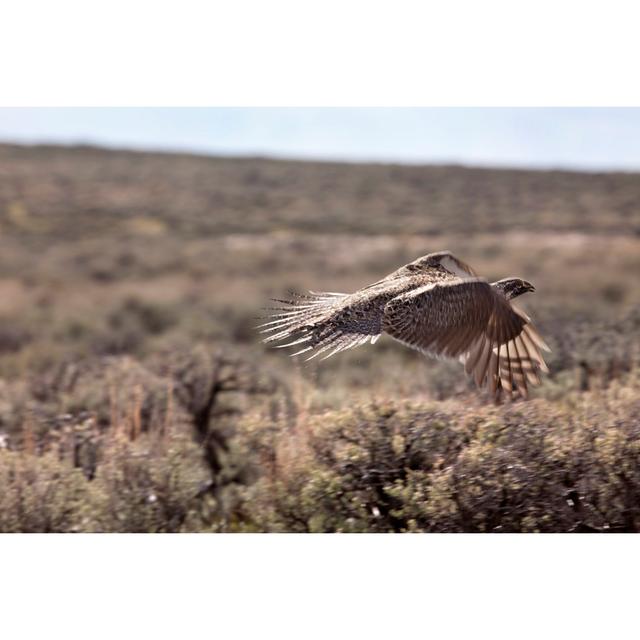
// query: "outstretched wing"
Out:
[327,322]
[467,319]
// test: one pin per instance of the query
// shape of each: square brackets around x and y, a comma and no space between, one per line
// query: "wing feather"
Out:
[467,319]
[445,317]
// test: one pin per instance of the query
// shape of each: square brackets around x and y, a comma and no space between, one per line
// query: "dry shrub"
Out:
[113,390]
[384,466]
[41,494]
[401,466]
[114,446]
[151,484]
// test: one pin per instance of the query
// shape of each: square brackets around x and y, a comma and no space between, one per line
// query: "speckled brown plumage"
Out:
[436,304]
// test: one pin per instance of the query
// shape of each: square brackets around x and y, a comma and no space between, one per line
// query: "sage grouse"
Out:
[436,304]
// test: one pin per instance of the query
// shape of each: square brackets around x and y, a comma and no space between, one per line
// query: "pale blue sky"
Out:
[590,138]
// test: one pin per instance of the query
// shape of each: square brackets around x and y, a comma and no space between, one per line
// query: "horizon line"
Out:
[169,150]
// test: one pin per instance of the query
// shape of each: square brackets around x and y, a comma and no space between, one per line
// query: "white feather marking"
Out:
[290,344]
[453,267]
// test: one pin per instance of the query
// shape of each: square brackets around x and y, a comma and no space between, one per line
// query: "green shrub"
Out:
[398,466]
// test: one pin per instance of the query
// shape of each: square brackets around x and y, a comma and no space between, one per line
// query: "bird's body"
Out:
[435,304]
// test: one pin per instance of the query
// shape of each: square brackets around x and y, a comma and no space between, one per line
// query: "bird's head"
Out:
[513,287]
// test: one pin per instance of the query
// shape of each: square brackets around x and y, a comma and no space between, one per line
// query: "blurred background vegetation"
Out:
[135,394]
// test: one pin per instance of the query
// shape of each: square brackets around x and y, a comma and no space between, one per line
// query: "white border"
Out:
[313,586]
[336,52]
[331,53]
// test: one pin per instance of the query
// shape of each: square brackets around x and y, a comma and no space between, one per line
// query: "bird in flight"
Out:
[436,304]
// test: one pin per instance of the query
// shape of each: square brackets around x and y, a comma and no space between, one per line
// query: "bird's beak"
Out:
[529,287]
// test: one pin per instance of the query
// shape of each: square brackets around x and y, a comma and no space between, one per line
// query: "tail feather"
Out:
[313,321]
[299,317]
